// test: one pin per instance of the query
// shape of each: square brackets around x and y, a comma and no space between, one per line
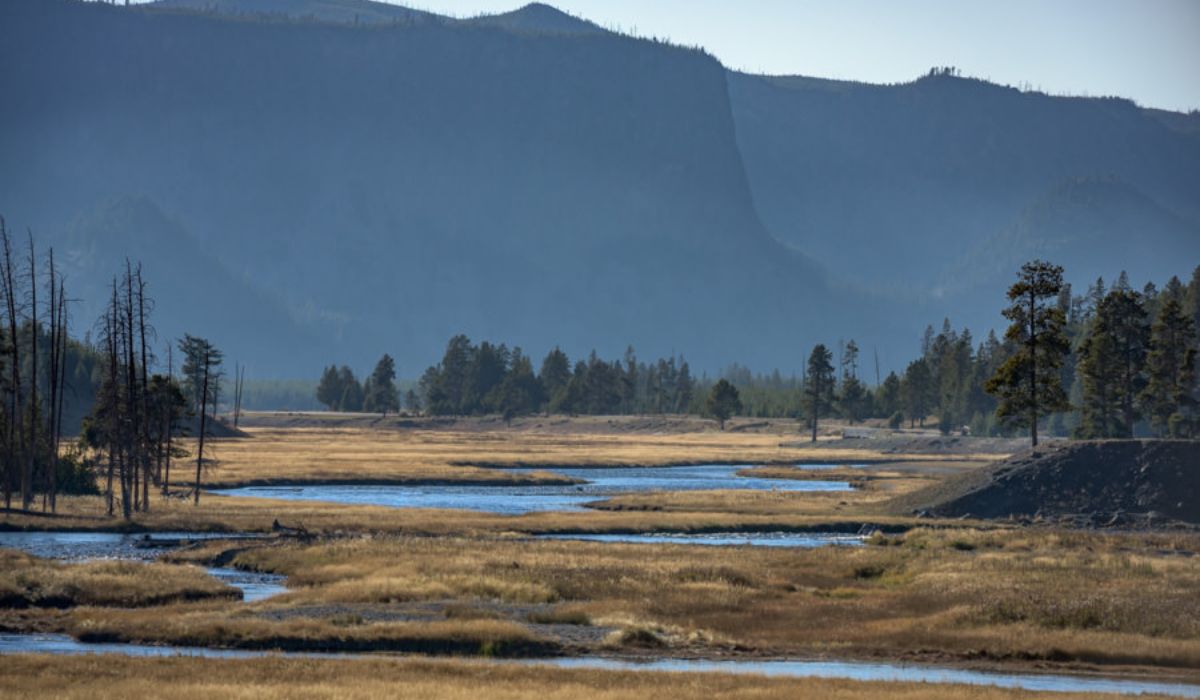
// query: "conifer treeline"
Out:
[1126,366]
[487,378]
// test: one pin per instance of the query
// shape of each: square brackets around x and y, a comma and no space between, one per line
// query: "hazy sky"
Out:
[1148,50]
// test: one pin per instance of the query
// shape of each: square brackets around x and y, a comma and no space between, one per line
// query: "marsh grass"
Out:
[28,581]
[213,626]
[1010,594]
[291,455]
[97,677]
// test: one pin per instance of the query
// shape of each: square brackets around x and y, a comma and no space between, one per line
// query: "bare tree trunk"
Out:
[203,425]
[62,386]
[239,381]
[144,433]
[1033,387]
[131,440]
[816,407]
[52,412]
[12,463]
[169,426]
[120,431]
[31,458]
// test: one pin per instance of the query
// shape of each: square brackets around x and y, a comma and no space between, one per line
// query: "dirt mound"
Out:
[1107,482]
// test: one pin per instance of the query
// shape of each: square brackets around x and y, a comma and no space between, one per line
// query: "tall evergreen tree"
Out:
[1028,384]
[329,389]
[520,392]
[201,361]
[723,402]
[853,397]
[452,378]
[1169,396]
[1112,365]
[685,386]
[916,389]
[888,397]
[351,397]
[381,396]
[819,385]
[555,375]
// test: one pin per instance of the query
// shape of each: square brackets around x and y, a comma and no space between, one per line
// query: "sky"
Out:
[1147,50]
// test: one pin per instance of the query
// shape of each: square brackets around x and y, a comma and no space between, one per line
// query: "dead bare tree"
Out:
[239,379]
[32,427]
[168,427]
[207,368]
[15,443]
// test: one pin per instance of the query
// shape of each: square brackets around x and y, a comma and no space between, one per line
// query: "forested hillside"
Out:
[351,178]
[944,184]
[386,187]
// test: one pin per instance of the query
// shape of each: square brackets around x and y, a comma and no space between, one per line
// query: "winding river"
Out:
[516,500]
[61,644]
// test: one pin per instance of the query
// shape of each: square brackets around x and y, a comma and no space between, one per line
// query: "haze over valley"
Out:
[350,177]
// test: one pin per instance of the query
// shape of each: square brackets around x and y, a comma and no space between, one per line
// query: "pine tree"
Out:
[329,390]
[723,402]
[1191,299]
[1169,394]
[915,389]
[200,357]
[520,393]
[380,394]
[685,386]
[819,385]
[555,375]
[352,393]
[852,399]
[888,397]
[1028,384]
[1112,365]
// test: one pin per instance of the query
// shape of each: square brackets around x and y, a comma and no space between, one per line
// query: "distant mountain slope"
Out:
[197,293]
[393,185]
[893,183]
[339,11]
[534,17]
[1097,225]
[538,17]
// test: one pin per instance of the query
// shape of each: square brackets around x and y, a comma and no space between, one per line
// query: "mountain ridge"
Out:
[397,182]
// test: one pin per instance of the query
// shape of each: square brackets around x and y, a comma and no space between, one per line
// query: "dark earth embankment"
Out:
[1111,482]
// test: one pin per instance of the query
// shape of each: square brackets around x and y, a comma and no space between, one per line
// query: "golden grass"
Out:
[27,581]
[281,455]
[979,591]
[215,626]
[88,677]
[349,454]
[1005,595]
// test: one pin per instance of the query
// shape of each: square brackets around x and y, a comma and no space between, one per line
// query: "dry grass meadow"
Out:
[89,677]
[466,583]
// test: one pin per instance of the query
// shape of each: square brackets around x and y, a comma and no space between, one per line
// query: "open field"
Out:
[427,453]
[963,592]
[202,679]
[1122,602]
[430,454]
